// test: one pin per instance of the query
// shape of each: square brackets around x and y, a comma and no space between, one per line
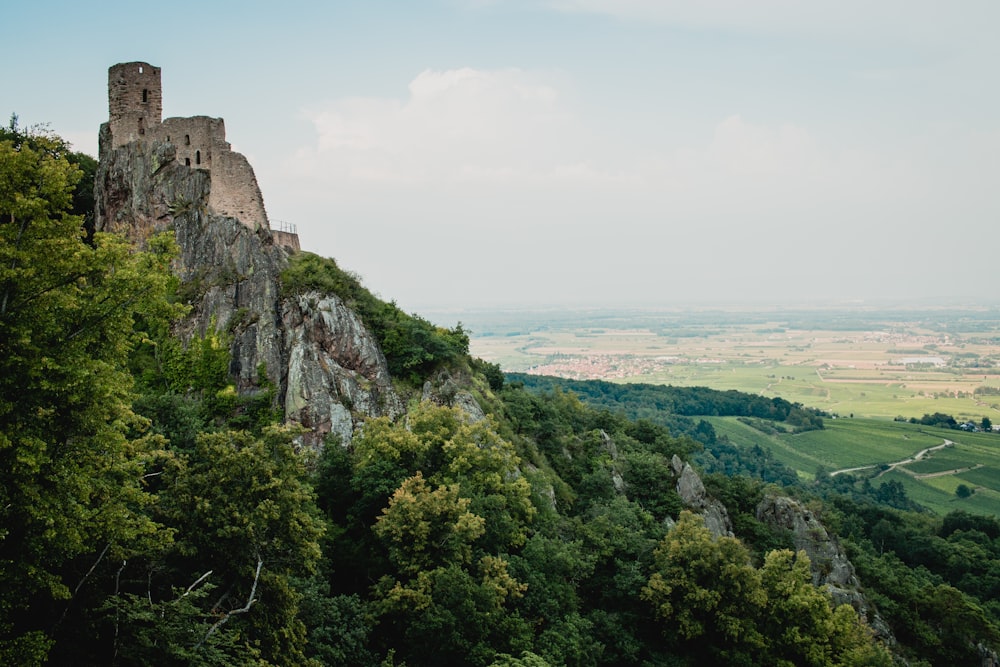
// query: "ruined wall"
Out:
[235,191]
[288,240]
[135,106]
[196,139]
[201,144]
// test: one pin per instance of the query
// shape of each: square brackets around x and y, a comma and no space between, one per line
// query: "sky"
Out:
[582,153]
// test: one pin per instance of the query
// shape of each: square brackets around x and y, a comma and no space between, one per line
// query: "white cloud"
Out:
[499,164]
[456,125]
[509,133]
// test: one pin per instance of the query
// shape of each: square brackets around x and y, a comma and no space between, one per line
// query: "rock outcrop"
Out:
[328,369]
[830,565]
[336,370]
[444,389]
[692,492]
[831,568]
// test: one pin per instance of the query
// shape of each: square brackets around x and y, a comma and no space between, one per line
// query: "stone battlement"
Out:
[135,106]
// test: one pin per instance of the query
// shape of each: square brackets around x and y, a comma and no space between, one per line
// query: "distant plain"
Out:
[874,370]
[879,364]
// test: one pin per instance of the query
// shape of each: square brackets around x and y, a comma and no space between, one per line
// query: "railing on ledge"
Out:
[282,226]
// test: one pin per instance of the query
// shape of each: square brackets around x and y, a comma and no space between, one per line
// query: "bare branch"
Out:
[118,611]
[81,582]
[192,586]
[242,610]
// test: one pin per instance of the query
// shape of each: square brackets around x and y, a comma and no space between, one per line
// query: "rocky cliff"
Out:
[328,369]
[694,496]
[831,568]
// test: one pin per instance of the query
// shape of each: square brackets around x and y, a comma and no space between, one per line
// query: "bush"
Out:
[413,347]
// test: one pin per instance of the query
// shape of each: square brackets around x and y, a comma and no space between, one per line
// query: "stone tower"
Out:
[135,101]
[135,114]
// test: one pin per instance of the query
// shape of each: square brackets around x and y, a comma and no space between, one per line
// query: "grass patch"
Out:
[987,476]
[849,443]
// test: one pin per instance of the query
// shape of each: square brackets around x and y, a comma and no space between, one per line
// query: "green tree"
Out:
[40,139]
[70,479]
[527,659]
[440,605]
[241,508]
[424,528]
[448,594]
[707,592]
[800,624]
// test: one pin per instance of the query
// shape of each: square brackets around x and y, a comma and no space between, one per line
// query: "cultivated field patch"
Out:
[865,363]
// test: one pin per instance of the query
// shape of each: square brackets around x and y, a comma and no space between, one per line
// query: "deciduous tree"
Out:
[70,479]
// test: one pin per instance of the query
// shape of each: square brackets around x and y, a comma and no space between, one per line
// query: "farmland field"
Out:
[972,459]
[866,366]
[880,364]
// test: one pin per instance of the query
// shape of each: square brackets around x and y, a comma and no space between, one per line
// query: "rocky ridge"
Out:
[328,369]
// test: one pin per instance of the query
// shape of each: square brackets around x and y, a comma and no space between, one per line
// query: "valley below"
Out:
[873,363]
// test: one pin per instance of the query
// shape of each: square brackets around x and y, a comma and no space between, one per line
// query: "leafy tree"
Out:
[938,419]
[70,479]
[425,527]
[724,609]
[241,509]
[527,659]
[448,591]
[175,631]
[441,605]
[800,624]
[40,139]
[706,591]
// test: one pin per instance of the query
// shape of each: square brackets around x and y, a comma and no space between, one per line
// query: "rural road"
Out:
[916,457]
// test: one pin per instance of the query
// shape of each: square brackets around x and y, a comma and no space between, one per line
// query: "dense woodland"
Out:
[149,514]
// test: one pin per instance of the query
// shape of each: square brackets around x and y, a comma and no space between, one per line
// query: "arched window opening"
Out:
[187,139]
[145,95]
[197,157]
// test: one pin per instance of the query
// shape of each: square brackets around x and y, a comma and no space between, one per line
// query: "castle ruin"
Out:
[135,106]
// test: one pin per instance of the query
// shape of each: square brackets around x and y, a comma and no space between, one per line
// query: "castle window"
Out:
[145,95]
[187,162]
[142,130]
[140,69]
[187,139]
[197,157]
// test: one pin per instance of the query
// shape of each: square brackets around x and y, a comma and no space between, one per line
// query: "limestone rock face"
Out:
[335,367]
[609,446]
[328,369]
[987,656]
[443,389]
[830,565]
[692,492]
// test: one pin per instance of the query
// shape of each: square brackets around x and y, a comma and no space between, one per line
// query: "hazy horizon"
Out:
[497,153]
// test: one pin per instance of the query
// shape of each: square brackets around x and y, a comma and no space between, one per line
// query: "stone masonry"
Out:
[135,105]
